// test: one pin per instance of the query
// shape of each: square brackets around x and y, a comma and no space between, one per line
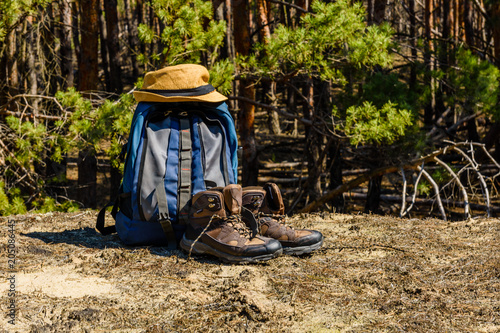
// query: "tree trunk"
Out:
[313,145]
[456,20]
[369,11]
[273,117]
[88,77]
[379,11]
[468,23]
[88,81]
[335,162]
[131,23]
[66,51]
[304,4]
[291,103]
[50,45]
[112,44]
[413,38]
[461,19]
[429,48]
[75,9]
[494,14]
[115,180]
[31,65]
[269,88]
[87,178]
[104,49]
[473,135]
[12,72]
[493,137]
[250,163]
[443,58]
[372,204]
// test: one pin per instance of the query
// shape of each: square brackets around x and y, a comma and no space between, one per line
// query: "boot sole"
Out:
[300,250]
[200,248]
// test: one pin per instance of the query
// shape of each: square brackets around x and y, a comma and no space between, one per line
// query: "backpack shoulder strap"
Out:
[185,159]
[164,216]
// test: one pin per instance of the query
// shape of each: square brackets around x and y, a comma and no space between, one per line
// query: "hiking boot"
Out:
[267,205]
[220,226]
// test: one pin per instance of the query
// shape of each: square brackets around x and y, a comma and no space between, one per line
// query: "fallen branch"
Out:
[348,186]
[411,165]
[420,201]
[30,115]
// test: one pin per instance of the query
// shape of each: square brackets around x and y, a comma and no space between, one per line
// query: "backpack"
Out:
[174,151]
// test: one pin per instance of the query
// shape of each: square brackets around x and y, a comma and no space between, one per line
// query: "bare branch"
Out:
[30,115]
[484,187]
[436,190]
[403,199]
[404,212]
[459,183]
[300,9]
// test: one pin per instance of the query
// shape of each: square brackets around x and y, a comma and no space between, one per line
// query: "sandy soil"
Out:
[373,273]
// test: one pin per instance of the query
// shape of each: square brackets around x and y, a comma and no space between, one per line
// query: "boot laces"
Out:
[237,223]
[280,218]
[217,219]
[234,221]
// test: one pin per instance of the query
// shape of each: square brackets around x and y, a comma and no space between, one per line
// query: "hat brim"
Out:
[143,96]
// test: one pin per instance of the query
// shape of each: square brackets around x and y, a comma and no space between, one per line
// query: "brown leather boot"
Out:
[267,205]
[218,226]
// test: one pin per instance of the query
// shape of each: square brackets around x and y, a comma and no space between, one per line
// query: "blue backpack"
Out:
[174,151]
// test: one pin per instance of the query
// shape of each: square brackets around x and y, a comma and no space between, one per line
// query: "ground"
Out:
[374,273]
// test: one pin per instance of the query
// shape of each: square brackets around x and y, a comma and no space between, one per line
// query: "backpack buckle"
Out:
[163,217]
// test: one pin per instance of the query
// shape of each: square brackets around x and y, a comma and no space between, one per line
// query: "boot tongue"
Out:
[253,198]
[274,200]
[232,197]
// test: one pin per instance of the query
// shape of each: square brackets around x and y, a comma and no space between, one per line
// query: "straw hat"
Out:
[181,83]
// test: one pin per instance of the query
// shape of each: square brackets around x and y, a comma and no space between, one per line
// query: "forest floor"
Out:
[373,273]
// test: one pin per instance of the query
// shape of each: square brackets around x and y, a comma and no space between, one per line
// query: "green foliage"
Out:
[12,13]
[330,38]
[30,142]
[424,188]
[12,203]
[475,84]
[221,76]
[333,43]
[441,177]
[88,127]
[382,114]
[368,124]
[47,204]
[381,88]
[189,35]
[188,32]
